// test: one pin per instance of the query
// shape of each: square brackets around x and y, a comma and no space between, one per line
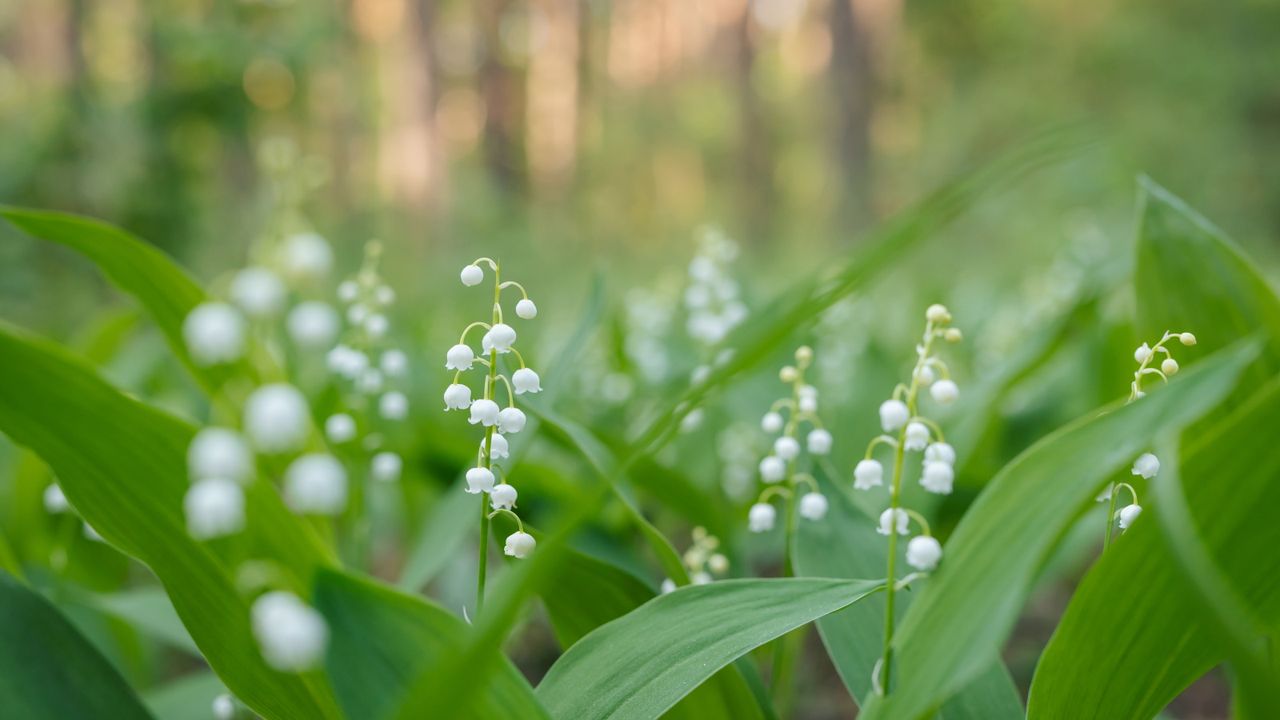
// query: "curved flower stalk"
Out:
[907,430]
[702,560]
[1147,465]
[498,422]
[779,469]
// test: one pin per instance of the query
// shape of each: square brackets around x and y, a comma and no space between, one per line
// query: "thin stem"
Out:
[513,283]
[488,451]
[462,339]
[1111,518]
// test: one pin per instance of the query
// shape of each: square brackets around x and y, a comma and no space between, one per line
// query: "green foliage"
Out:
[640,665]
[122,464]
[48,670]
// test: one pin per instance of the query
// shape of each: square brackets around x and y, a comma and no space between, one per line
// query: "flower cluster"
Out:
[711,298]
[370,366]
[906,430]
[498,422]
[1147,465]
[701,560]
[778,469]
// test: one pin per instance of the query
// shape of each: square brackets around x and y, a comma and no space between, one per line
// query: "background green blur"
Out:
[585,140]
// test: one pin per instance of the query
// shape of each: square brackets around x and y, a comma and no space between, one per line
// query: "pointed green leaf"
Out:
[122,464]
[49,671]
[641,664]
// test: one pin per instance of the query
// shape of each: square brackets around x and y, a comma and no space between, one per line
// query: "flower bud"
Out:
[511,420]
[214,333]
[1147,465]
[1187,338]
[458,397]
[772,469]
[223,707]
[479,480]
[944,392]
[221,453]
[668,586]
[214,508]
[788,374]
[55,501]
[760,517]
[937,314]
[718,564]
[386,467]
[893,520]
[804,355]
[1142,354]
[484,412]
[893,415]
[393,363]
[916,437]
[258,292]
[316,484]
[868,474]
[291,634]
[348,291]
[471,275]
[393,405]
[502,497]
[953,335]
[1169,367]
[925,376]
[313,325]
[376,325]
[526,309]
[306,257]
[786,447]
[818,441]
[813,506]
[923,552]
[526,380]
[1128,514]
[340,428]
[276,418]
[520,545]
[771,422]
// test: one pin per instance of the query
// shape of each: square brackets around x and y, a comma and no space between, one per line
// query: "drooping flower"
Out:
[520,545]
[500,337]
[923,552]
[937,477]
[502,497]
[340,428]
[818,442]
[471,275]
[459,357]
[291,634]
[1147,465]
[214,507]
[394,363]
[217,452]
[458,397]
[813,506]
[1128,514]
[484,412]
[944,392]
[760,517]
[894,519]
[258,292]
[916,437]
[313,325]
[316,484]
[393,405]
[525,380]
[773,469]
[893,415]
[479,479]
[786,447]
[306,257]
[868,474]
[511,420]
[214,333]
[276,418]
[771,422]
[940,452]
[55,501]
[526,309]
[386,467]
[500,448]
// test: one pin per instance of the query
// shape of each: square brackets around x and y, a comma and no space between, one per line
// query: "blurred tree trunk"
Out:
[853,90]
[757,196]
[438,168]
[500,88]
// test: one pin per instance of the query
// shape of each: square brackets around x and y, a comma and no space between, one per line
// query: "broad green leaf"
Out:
[442,534]
[162,287]
[148,610]
[48,670]
[1135,602]
[380,639]
[187,698]
[958,624]
[587,593]
[846,545]
[641,664]
[122,464]
[8,561]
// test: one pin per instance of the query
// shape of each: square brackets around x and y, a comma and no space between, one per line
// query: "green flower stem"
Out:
[482,570]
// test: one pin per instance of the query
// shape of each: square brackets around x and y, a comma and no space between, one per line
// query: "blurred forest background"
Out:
[609,129]
[585,138]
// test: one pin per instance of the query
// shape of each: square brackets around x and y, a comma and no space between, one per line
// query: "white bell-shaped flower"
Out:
[718,563]
[291,634]
[786,447]
[502,497]
[1147,465]
[370,382]
[276,418]
[925,375]
[813,506]
[1142,354]
[357,314]
[526,380]
[394,363]
[818,441]
[313,325]
[214,333]
[807,404]
[386,467]
[484,412]
[1169,367]
[479,480]
[937,477]
[701,577]
[393,405]
[348,291]
[347,362]
[458,397]
[940,452]
[223,707]
[773,469]
[376,325]
[511,420]
[668,586]
[471,275]
[526,309]
[1128,514]
[214,508]
[459,357]
[500,337]
[55,501]
[760,517]
[868,474]
[945,392]
[916,437]
[316,484]
[893,415]
[923,552]
[771,422]
[500,448]
[221,453]
[258,292]
[520,545]
[306,257]
[894,520]
[340,428]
